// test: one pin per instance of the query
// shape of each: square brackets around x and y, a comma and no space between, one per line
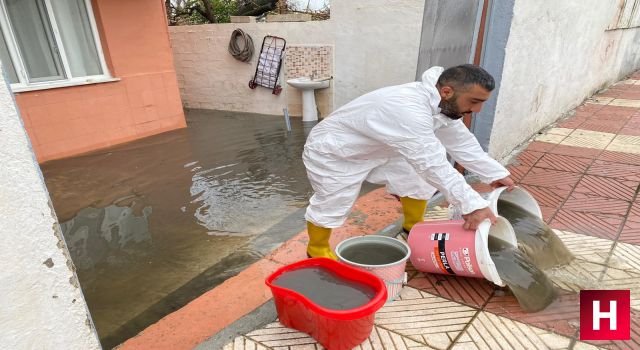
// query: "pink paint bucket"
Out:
[445,247]
[517,196]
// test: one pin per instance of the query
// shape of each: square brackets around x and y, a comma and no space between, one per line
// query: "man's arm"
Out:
[463,146]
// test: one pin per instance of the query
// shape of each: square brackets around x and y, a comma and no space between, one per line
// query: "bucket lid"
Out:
[503,230]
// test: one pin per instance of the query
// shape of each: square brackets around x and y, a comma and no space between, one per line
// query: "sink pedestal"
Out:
[309,107]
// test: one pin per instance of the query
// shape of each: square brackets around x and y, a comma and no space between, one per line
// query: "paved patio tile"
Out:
[622,102]
[605,126]
[607,187]
[599,204]
[573,122]
[588,139]
[540,146]
[550,138]
[615,278]
[626,257]
[518,171]
[625,143]
[577,275]
[615,170]
[592,224]
[489,331]
[469,291]
[620,157]
[546,196]
[575,151]
[633,343]
[631,230]
[529,158]
[564,163]
[562,180]
[615,110]
[561,317]
[425,318]
[600,100]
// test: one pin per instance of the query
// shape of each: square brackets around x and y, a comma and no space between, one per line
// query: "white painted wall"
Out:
[42,305]
[558,54]
[376,44]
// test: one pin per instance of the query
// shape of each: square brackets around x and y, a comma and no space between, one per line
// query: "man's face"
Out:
[458,104]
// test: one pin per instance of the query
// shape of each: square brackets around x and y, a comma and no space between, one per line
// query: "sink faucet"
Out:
[313,74]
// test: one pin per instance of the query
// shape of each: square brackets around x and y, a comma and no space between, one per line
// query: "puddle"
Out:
[154,223]
[326,288]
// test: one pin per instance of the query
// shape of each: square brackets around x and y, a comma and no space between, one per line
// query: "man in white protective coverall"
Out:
[399,136]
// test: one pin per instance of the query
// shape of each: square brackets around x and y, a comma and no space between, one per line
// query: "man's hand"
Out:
[473,219]
[507,181]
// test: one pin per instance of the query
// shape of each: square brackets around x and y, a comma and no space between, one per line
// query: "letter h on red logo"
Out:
[605,314]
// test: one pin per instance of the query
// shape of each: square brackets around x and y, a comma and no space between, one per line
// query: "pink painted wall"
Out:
[146,101]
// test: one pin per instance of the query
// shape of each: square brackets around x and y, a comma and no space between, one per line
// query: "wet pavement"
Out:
[583,171]
[154,223]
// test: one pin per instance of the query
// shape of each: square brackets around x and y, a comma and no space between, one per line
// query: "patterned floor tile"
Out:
[437,213]
[572,123]
[633,343]
[550,138]
[596,204]
[631,230]
[607,187]
[564,163]
[548,197]
[623,279]
[626,257]
[615,170]
[518,171]
[625,143]
[562,180]
[528,158]
[587,248]
[383,339]
[620,157]
[559,131]
[425,318]
[561,317]
[605,126]
[575,151]
[625,103]
[489,331]
[601,100]
[614,111]
[470,291]
[588,139]
[244,343]
[277,336]
[592,224]
[540,146]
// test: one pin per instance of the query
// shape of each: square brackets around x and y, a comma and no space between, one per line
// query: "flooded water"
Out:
[373,253]
[326,288]
[529,284]
[538,242]
[156,222]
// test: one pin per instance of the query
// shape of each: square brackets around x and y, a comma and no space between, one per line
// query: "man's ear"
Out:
[446,92]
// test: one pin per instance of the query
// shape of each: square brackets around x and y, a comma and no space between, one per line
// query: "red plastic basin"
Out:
[333,329]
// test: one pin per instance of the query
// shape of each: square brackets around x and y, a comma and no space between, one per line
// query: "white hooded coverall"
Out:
[394,136]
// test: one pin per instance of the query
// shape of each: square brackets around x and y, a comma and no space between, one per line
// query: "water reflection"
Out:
[108,234]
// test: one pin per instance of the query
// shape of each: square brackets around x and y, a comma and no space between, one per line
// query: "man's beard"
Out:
[450,108]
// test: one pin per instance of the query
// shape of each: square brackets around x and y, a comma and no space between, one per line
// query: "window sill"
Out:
[62,84]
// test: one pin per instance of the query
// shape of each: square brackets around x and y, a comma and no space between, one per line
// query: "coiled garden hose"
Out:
[241,45]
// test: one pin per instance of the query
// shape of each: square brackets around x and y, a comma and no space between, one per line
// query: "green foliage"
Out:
[187,12]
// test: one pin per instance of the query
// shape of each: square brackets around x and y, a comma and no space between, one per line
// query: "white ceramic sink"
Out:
[305,83]
[308,86]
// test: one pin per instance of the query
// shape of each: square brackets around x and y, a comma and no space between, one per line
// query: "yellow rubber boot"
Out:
[413,211]
[319,242]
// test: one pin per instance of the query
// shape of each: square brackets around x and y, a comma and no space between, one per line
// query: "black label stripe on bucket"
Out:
[442,256]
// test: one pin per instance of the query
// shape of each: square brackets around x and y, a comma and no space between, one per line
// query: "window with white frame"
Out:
[49,43]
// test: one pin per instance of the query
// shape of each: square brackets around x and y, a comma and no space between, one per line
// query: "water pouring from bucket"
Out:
[512,252]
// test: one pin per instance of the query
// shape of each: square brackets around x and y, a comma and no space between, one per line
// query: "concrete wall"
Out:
[558,53]
[42,304]
[376,44]
[146,101]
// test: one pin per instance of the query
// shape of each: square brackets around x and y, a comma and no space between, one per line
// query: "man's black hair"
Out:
[464,76]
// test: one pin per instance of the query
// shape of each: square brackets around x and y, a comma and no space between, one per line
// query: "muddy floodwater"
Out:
[154,223]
